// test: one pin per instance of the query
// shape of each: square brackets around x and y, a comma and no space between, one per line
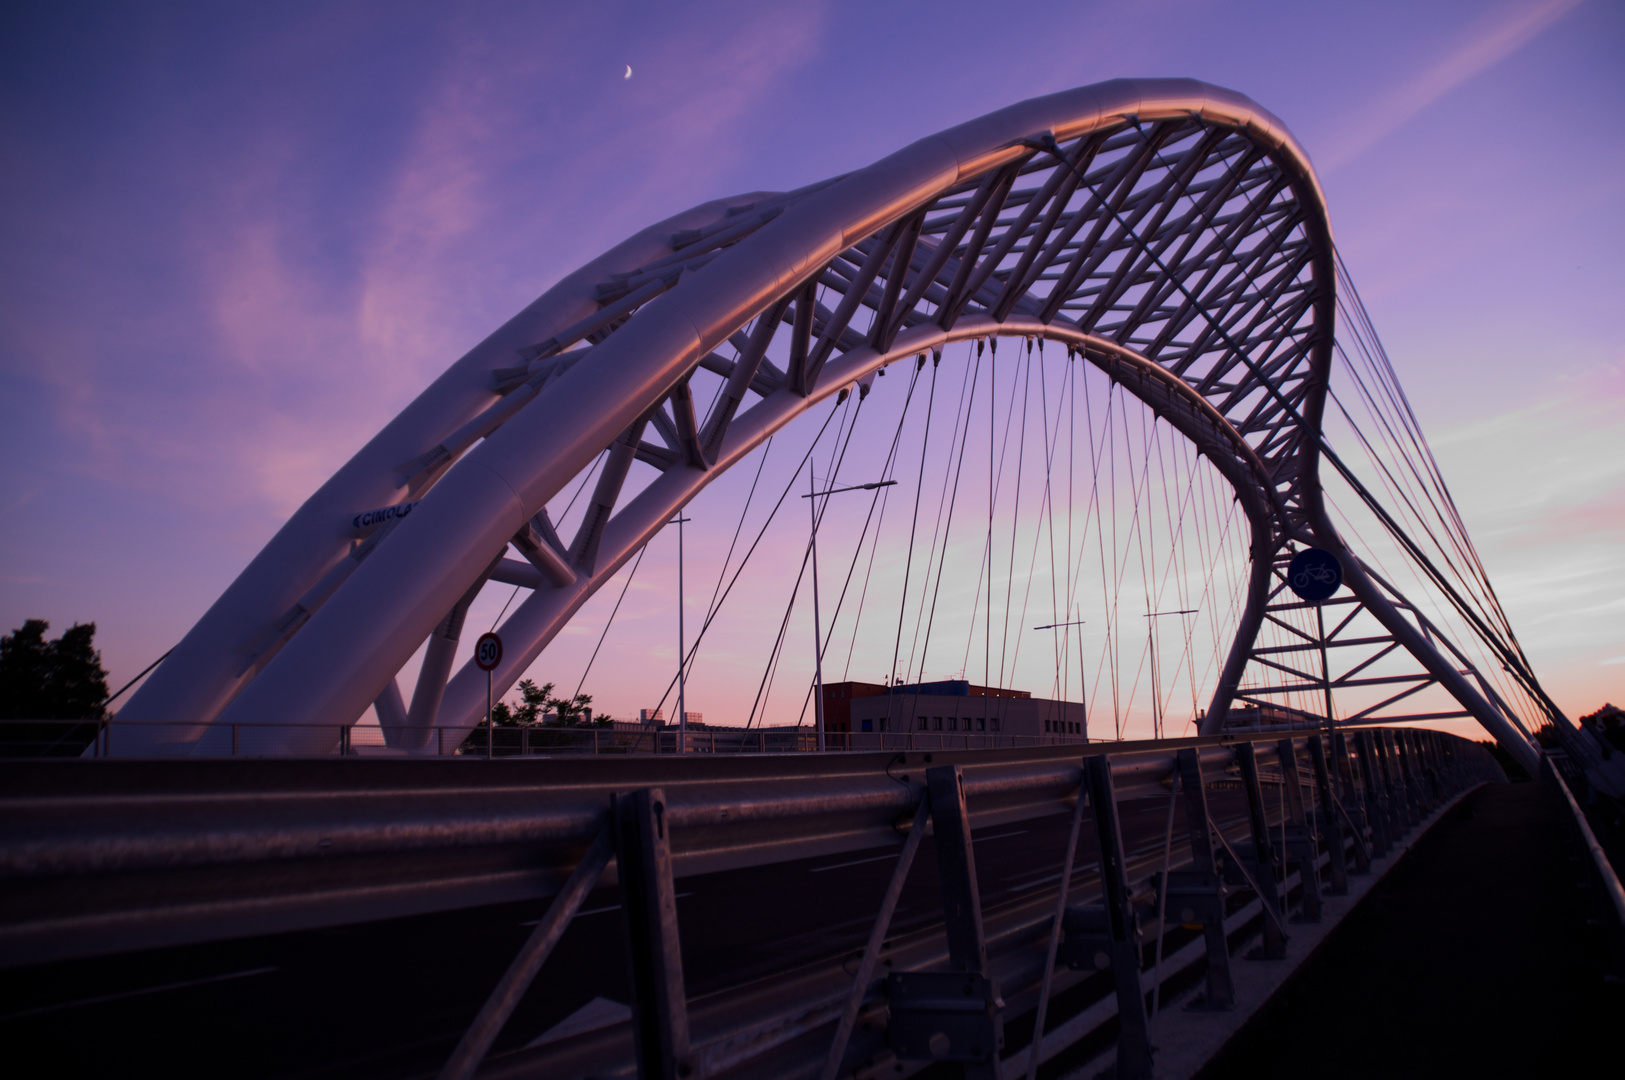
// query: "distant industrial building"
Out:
[952,713]
[657,717]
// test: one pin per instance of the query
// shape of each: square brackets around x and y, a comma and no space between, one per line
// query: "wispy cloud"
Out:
[1495,38]
[465,232]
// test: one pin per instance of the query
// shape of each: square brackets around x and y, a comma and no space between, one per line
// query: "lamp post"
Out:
[818,632]
[1081,695]
[682,702]
[1156,675]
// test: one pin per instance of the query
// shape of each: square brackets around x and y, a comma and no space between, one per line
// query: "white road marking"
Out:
[123,995]
[854,862]
[598,910]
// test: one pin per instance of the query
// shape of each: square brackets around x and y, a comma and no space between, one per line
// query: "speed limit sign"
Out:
[488,651]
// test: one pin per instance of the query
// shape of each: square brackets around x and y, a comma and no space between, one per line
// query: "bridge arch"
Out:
[1172,231]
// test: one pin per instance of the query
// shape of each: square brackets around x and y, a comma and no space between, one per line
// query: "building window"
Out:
[923,723]
[883,723]
[868,725]
[939,723]
[995,723]
[981,723]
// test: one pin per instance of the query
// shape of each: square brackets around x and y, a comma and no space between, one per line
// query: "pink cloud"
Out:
[1494,38]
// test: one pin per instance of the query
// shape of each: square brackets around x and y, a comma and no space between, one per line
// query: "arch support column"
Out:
[1412,639]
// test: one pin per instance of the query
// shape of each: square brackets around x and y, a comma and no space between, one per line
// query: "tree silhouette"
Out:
[57,679]
[537,708]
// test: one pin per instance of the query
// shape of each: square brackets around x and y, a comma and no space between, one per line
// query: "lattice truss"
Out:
[1169,233]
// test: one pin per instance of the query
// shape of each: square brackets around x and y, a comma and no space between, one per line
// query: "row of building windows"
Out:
[972,723]
[1063,727]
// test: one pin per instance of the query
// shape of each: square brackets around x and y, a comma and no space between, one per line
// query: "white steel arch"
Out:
[1171,231]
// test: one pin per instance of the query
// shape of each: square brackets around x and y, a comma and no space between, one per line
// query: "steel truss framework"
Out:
[1171,233]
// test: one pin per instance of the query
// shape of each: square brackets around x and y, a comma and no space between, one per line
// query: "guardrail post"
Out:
[649,904]
[1220,992]
[510,989]
[1343,771]
[1427,773]
[1355,809]
[1397,808]
[1399,762]
[1134,1040]
[1405,766]
[1331,830]
[877,938]
[1411,772]
[952,1015]
[956,863]
[1376,800]
[1435,786]
[1273,946]
[1297,835]
[1383,777]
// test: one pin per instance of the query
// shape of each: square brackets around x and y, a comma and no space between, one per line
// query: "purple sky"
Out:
[236,239]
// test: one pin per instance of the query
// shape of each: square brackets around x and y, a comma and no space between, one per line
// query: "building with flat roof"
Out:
[950,714]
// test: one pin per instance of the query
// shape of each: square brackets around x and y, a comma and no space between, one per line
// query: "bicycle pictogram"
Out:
[1319,575]
[1314,574]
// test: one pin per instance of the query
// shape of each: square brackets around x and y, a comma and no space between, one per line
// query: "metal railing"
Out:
[115,738]
[230,848]
[1607,895]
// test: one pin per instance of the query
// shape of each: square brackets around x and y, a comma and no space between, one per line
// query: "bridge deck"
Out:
[1473,957]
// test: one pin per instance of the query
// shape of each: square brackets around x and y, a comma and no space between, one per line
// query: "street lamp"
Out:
[1156,675]
[682,701]
[1083,696]
[818,632]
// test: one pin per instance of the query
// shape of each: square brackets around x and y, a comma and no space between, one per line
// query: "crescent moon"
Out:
[628,71]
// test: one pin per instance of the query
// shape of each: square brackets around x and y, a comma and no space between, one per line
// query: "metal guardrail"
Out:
[1607,893]
[101,738]
[99,857]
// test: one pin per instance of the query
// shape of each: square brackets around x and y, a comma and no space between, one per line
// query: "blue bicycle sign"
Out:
[1314,574]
